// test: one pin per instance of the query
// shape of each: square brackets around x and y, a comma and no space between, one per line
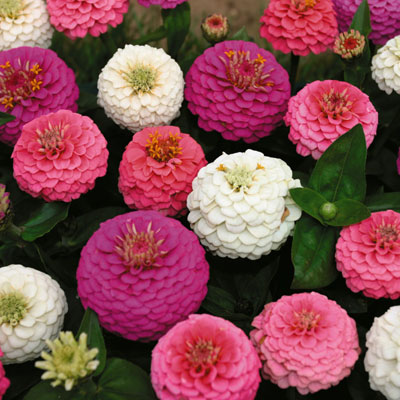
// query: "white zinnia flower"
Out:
[240,205]
[32,309]
[386,66]
[24,23]
[141,86]
[382,359]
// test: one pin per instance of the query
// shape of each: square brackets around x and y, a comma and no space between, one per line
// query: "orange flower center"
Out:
[202,355]
[305,320]
[163,149]
[335,103]
[304,5]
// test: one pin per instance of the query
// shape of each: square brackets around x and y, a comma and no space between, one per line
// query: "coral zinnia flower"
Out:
[299,26]
[33,82]
[306,341]
[157,169]
[162,3]
[205,357]
[368,255]
[238,89]
[142,273]
[59,156]
[324,110]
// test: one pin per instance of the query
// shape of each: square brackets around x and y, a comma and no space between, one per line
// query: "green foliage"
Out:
[4,118]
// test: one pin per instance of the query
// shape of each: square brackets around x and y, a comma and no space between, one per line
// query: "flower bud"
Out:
[349,44]
[215,28]
[328,211]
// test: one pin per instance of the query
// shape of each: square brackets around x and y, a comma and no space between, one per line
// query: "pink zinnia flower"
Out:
[162,3]
[33,82]
[368,255]
[385,17]
[59,156]
[142,273]
[4,382]
[205,357]
[238,89]
[324,110]
[157,169]
[306,341]
[299,26]
[77,18]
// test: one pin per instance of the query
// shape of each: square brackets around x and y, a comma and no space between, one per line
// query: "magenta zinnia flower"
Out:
[324,110]
[306,341]
[33,82]
[142,273]
[385,17]
[205,357]
[299,26]
[59,156]
[368,255]
[162,3]
[77,18]
[4,382]
[238,89]
[157,169]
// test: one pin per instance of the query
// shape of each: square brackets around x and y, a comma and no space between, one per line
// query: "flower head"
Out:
[215,28]
[238,89]
[69,361]
[157,169]
[324,110]
[299,26]
[141,86]
[59,156]
[240,205]
[162,3]
[4,382]
[205,357]
[306,341]
[5,208]
[142,273]
[349,44]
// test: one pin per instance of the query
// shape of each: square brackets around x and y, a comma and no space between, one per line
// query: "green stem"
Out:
[294,65]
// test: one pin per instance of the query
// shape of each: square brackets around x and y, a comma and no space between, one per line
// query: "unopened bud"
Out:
[215,28]
[328,211]
[349,44]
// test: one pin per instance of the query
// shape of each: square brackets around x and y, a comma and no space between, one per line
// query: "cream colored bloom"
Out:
[386,66]
[32,309]
[240,205]
[141,86]
[24,23]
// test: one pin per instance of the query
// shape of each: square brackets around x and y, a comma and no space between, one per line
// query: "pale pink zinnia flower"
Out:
[205,357]
[162,3]
[305,340]
[299,26]
[368,255]
[324,110]
[59,156]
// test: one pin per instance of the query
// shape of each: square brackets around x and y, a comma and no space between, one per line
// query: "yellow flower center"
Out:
[13,308]
[141,78]
[11,8]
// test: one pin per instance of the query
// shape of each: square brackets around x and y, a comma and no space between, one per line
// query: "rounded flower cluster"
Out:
[32,309]
[24,23]
[33,82]
[59,156]
[299,26]
[142,273]
[386,66]
[157,169]
[324,110]
[77,18]
[205,357]
[162,3]
[238,89]
[4,382]
[240,205]
[368,255]
[385,17]
[141,86]
[306,341]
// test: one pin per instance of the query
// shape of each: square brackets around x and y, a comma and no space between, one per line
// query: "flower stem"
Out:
[294,65]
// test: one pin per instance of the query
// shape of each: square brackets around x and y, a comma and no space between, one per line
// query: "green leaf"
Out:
[218,301]
[44,220]
[241,34]
[4,118]
[44,391]
[383,202]
[349,212]
[309,200]
[362,20]
[90,325]
[158,34]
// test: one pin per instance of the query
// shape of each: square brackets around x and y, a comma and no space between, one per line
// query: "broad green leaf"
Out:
[90,325]
[362,20]
[4,118]
[44,391]
[383,201]
[241,34]
[218,301]
[349,212]
[309,200]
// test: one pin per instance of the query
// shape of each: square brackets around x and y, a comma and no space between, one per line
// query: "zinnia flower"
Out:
[240,205]
[368,255]
[299,26]
[142,273]
[4,382]
[385,17]
[215,28]
[349,45]
[59,156]
[5,208]
[386,66]
[306,341]
[32,309]
[77,18]
[141,86]
[324,110]
[33,82]
[162,3]
[238,89]
[24,23]
[157,169]
[382,358]
[205,357]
